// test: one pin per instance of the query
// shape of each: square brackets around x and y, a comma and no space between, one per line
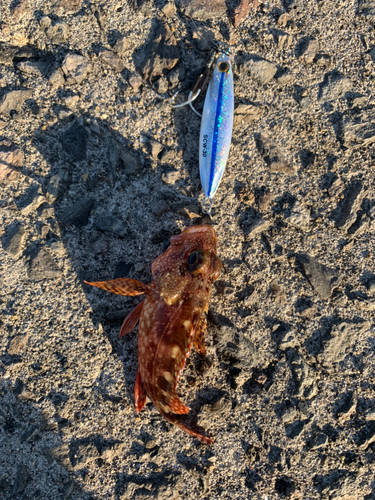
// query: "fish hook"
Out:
[196,90]
[189,100]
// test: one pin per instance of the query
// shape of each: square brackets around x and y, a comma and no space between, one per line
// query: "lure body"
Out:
[171,317]
[216,126]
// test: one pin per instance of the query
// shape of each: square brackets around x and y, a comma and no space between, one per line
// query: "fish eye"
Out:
[194,260]
[223,67]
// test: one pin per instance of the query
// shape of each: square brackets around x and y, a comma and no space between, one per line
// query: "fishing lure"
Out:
[216,125]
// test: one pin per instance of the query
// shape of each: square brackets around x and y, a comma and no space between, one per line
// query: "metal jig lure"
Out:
[216,124]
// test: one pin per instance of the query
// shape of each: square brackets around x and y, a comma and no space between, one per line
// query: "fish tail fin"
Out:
[122,286]
[139,393]
[174,419]
[131,319]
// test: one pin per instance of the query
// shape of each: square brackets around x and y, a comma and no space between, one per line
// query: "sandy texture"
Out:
[97,172]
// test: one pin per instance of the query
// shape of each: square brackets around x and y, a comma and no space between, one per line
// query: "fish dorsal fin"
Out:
[122,286]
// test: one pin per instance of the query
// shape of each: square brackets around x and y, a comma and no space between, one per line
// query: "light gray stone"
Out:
[42,266]
[112,60]
[334,86]
[14,238]
[75,68]
[359,129]
[261,70]
[32,68]
[56,186]
[55,29]
[13,100]
[247,113]
[339,348]
[57,78]
[202,10]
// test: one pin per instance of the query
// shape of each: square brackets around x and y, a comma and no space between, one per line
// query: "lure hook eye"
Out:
[223,67]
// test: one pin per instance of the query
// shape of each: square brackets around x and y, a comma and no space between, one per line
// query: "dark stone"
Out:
[111,224]
[284,486]
[161,52]
[358,129]
[58,398]
[345,213]
[252,478]
[366,435]
[30,433]
[121,160]
[41,265]
[317,441]
[343,404]
[321,278]
[295,428]
[56,186]
[79,213]
[74,142]
[122,270]
[30,200]
[366,9]
[315,344]
[331,482]
[20,481]
[160,208]
[349,457]
[274,454]
[303,303]
[18,386]
[307,158]
[4,485]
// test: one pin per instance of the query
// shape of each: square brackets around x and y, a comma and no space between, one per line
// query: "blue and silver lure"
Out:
[216,129]
[216,126]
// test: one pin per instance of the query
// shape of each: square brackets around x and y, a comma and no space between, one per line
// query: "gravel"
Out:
[97,173]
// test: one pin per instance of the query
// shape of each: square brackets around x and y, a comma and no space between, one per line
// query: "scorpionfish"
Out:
[171,318]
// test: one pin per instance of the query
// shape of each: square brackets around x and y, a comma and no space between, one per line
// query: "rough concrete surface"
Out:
[97,172]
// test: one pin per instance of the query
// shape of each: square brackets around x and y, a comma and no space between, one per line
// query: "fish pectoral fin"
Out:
[139,393]
[131,319]
[199,335]
[122,286]
[177,406]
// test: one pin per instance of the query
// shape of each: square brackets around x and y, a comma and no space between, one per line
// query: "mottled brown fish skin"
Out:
[171,317]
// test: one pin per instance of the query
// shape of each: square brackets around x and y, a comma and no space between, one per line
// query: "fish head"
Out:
[190,258]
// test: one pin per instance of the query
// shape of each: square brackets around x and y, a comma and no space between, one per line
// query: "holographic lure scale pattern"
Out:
[216,126]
